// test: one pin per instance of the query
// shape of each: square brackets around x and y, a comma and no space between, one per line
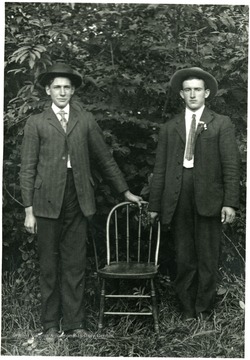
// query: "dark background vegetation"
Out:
[126,54]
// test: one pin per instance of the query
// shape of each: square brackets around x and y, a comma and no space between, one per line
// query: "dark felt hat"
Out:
[181,75]
[60,69]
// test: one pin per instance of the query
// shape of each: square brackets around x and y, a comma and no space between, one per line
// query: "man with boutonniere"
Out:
[195,188]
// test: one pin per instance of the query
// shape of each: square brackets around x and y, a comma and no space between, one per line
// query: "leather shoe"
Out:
[205,316]
[187,315]
[51,334]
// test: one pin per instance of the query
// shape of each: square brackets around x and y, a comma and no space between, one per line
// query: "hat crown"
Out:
[60,67]
[197,69]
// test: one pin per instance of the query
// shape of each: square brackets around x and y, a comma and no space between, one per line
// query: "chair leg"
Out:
[102,303]
[154,307]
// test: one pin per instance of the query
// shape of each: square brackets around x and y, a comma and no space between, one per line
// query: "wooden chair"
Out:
[128,231]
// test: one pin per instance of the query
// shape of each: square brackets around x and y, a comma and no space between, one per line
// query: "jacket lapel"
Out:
[207,116]
[180,126]
[73,120]
[205,119]
[53,120]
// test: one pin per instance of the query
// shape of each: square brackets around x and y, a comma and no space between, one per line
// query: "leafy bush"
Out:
[126,54]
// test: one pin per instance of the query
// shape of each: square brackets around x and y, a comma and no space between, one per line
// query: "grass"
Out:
[125,336]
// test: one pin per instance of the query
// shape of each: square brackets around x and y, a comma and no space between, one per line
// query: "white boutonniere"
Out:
[202,125]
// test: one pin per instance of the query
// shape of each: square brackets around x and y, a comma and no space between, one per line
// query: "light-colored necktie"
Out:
[63,120]
[191,137]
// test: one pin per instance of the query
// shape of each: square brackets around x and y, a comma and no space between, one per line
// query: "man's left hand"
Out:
[133,198]
[227,215]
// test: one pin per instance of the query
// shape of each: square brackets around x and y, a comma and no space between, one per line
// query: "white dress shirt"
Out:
[188,119]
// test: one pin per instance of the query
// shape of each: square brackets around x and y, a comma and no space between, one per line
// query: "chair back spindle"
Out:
[150,244]
[139,236]
[116,238]
[157,244]
[127,232]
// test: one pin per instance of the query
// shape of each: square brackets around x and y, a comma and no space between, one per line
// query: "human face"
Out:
[60,91]
[194,93]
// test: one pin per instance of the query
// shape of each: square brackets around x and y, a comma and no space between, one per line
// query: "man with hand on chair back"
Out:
[58,195]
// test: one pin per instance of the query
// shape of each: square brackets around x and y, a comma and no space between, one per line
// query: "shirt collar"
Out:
[56,109]
[198,113]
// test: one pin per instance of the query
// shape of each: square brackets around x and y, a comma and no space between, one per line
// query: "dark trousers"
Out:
[197,243]
[62,256]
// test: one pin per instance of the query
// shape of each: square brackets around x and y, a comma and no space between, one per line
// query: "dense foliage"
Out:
[126,54]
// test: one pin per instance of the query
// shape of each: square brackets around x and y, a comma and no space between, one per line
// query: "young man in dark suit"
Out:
[58,195]
[195,188]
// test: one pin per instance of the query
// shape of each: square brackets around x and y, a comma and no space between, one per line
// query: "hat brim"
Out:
[45,78]
[181,75]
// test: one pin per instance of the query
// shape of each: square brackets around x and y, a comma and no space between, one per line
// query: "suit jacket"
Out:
[216,166]
[44,162]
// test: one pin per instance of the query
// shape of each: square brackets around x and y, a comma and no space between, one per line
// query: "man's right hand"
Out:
[153,217]
[30,220]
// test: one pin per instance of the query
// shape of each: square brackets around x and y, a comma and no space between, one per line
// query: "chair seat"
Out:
[130,270]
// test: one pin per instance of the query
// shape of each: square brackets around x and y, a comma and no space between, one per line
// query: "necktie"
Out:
[64,123]
[63,120]
[191,136]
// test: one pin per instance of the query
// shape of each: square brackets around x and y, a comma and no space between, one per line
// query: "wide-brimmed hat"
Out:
[179,76]
[60,69]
